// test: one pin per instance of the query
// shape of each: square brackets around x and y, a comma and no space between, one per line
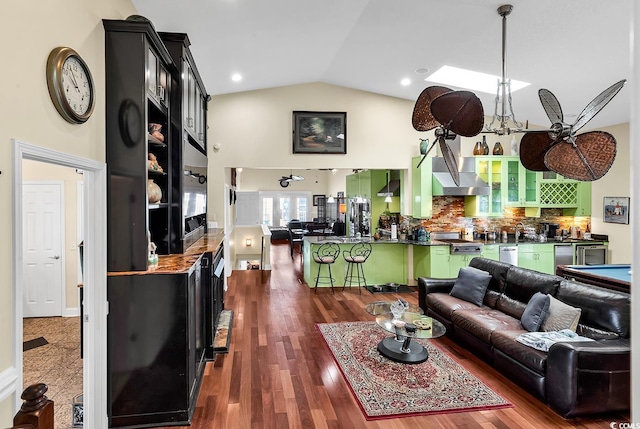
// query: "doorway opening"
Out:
[94,318]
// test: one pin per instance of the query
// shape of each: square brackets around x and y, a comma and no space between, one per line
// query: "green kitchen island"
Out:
[388,262]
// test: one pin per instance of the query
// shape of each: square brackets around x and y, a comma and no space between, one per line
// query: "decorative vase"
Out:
[154,130]
[478,149]
[497,149]
[485,146]
[153,191]
[514,146]
[424,145]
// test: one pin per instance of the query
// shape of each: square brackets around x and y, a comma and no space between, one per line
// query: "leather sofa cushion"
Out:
[445,304]
[481,322]
[521,284]
[471,285]
[603,309]
[498,271]
[505,341]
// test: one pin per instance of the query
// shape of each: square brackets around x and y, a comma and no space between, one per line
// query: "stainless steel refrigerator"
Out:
[359,217]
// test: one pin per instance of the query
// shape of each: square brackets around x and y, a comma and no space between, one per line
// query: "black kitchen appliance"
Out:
[549,229]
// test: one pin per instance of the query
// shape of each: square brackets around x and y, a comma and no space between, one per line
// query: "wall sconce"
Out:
[388,199]
[331,199]
[247,242]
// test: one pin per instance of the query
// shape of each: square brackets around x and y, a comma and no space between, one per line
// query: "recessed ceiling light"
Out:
[469,79]
[406,81]
[236,77]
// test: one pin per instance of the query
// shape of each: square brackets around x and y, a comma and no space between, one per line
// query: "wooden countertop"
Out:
[181,263]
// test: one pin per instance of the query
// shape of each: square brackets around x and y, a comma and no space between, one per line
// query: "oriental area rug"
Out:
[387,389]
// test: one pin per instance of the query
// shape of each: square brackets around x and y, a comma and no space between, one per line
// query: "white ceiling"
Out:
[574,48]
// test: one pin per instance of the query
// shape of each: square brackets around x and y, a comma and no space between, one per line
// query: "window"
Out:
[278,208]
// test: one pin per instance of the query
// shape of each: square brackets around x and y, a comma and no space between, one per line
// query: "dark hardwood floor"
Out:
[279,373]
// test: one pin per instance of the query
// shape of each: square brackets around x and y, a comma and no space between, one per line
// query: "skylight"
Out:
[476,81]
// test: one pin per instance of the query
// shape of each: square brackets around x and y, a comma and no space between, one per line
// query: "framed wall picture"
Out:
[616,209]
[318,199]
[320,132]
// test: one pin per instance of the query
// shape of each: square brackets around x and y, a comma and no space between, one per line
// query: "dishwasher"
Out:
[509,254]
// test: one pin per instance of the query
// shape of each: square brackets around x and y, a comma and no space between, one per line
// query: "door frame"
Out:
[63,245]
[95,274]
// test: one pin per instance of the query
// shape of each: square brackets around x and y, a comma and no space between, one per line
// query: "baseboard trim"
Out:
[71,312]
[8,382]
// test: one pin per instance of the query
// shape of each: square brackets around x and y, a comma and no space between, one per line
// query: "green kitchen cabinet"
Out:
[456,262]
[491,169]
[421,188]
[431,261]
[490,251]
[538,257]
[352,186]
[438,262]
[584,201]
[557,191]
[359,184]
[522,188]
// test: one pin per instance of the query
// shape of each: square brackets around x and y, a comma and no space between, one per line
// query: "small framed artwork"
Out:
[320,132]
[616,209]
[318,199]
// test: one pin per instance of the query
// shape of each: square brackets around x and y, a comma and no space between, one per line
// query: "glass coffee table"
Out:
[379,308]
[410,325]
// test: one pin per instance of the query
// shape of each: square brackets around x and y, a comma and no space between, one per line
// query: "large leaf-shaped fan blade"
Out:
[449,160]
[596,105]
[533,147]
[589,159]
[460,112]
[551,106]
[422,118]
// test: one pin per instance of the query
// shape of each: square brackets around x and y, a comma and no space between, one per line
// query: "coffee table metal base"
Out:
[392,349]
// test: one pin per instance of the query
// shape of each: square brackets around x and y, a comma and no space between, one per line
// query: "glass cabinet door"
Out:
[497,189]
[152,73]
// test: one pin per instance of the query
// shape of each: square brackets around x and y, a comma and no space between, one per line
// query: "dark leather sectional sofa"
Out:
[573,378]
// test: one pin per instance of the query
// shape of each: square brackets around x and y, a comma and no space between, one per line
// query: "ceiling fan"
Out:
[450,113]
[584,157]
[286,180]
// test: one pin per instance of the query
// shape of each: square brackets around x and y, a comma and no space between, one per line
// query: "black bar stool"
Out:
[355,257]
[325,255]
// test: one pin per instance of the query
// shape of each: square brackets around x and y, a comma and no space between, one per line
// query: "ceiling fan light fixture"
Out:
[507,122]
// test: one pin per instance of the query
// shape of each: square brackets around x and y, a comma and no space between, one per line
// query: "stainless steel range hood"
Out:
[391,189]
[470,182]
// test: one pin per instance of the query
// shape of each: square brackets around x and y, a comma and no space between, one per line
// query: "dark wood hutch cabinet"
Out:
[161,320]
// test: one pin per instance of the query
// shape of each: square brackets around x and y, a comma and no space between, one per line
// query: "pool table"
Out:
[611,276]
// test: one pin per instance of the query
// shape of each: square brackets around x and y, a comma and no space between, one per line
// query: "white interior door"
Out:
[42,249]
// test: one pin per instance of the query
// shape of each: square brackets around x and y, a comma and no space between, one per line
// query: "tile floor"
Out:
[56,364]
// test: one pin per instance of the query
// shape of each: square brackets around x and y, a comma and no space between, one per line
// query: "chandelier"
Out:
[506,122]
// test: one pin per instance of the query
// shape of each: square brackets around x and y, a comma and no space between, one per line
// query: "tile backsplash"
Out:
[448,215]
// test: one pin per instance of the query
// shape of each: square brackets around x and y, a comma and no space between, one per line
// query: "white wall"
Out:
[254,130]
[616,183]
[31,30]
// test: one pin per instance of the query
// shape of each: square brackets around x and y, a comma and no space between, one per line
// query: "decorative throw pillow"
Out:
[535,312]
[471,285]
[561,316]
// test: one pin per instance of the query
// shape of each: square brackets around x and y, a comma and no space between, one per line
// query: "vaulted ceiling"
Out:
[574,48]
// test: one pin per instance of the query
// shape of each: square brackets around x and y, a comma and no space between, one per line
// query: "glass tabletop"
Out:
[379,308]
[426,327]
